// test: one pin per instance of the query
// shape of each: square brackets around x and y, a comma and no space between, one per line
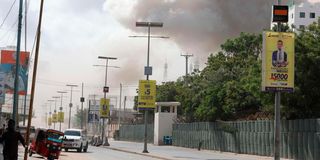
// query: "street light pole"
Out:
[277,126]
[81,100]
[106,143]
[119,113]
[149,25]
[70,105]
[55,110]
[50,113]
[60,109]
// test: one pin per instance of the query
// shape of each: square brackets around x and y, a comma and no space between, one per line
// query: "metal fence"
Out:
[300,139]
[135,133]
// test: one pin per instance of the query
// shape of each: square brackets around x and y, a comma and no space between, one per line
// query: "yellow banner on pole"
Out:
[60,116]
[54,118]
[278,62]
[147,94]
[104,108]
[49,121]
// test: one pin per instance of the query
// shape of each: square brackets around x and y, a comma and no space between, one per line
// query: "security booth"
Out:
[165,114]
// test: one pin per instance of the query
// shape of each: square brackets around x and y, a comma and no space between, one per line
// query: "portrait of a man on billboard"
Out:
[279,56]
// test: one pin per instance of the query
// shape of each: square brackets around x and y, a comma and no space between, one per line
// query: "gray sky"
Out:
[76,32]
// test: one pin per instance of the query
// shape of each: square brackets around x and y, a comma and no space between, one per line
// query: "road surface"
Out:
[97,153]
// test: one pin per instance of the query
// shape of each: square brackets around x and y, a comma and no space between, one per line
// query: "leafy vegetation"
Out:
[228,88]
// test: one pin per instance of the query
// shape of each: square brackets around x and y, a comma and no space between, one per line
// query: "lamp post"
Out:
[106,143]
[50,113]
[277,125]
[60,109]
[70,104]
[148,71]
[55,110]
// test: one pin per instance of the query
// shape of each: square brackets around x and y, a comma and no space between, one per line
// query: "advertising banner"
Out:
[60,116]
[54,118]
[147,94]
[278,62]
[104,107]
[7,68]
[49,121]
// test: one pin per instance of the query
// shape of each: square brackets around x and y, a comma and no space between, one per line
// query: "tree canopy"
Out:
[229,87]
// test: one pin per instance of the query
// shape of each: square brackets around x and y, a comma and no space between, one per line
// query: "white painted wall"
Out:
[162,126]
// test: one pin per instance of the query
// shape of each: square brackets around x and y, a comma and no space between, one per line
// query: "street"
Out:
[97,153]
[121,150]
[94,153]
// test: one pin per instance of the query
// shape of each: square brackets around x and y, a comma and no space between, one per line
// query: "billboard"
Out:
[147,94]
[104,107]
[278,62]
[54,118]
[7,71]
[49,121]
[60,116]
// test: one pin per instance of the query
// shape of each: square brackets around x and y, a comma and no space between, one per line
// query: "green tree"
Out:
[305,101]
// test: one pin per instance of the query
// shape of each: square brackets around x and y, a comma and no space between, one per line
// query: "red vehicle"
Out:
[47,143]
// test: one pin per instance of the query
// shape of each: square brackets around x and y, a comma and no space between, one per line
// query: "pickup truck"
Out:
[75,139]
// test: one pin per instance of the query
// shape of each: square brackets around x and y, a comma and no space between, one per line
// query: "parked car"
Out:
[75,139]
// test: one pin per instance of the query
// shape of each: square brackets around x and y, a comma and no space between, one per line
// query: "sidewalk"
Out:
[179,153]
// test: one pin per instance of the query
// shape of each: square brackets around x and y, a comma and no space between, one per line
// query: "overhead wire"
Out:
[7,15]
[9,30]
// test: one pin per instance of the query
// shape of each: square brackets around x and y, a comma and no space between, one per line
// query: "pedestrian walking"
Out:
[10,139]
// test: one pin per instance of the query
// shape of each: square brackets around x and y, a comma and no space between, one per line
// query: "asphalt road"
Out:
[97,153]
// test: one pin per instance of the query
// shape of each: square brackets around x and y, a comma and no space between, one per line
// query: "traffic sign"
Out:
[147,94]
[82,99]
[104,107]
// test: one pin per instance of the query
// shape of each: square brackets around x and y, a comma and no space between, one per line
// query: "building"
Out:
[302,14]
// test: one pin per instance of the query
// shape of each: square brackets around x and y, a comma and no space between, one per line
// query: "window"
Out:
[302,15]
[72,133]
[312,15]
[301,26]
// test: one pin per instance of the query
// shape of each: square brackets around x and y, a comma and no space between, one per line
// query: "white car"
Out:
[75,139]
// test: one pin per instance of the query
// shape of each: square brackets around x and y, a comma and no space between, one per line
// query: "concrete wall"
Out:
[163,126]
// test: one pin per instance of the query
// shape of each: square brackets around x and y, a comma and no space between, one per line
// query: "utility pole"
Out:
[82,100]
[34,77]
[17,69]
[119,116]
[61,108]
[277,126]
[124,104]
[55,110]
[187,61]
[70,104]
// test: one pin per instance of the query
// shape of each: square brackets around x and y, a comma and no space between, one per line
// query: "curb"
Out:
[142,154]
